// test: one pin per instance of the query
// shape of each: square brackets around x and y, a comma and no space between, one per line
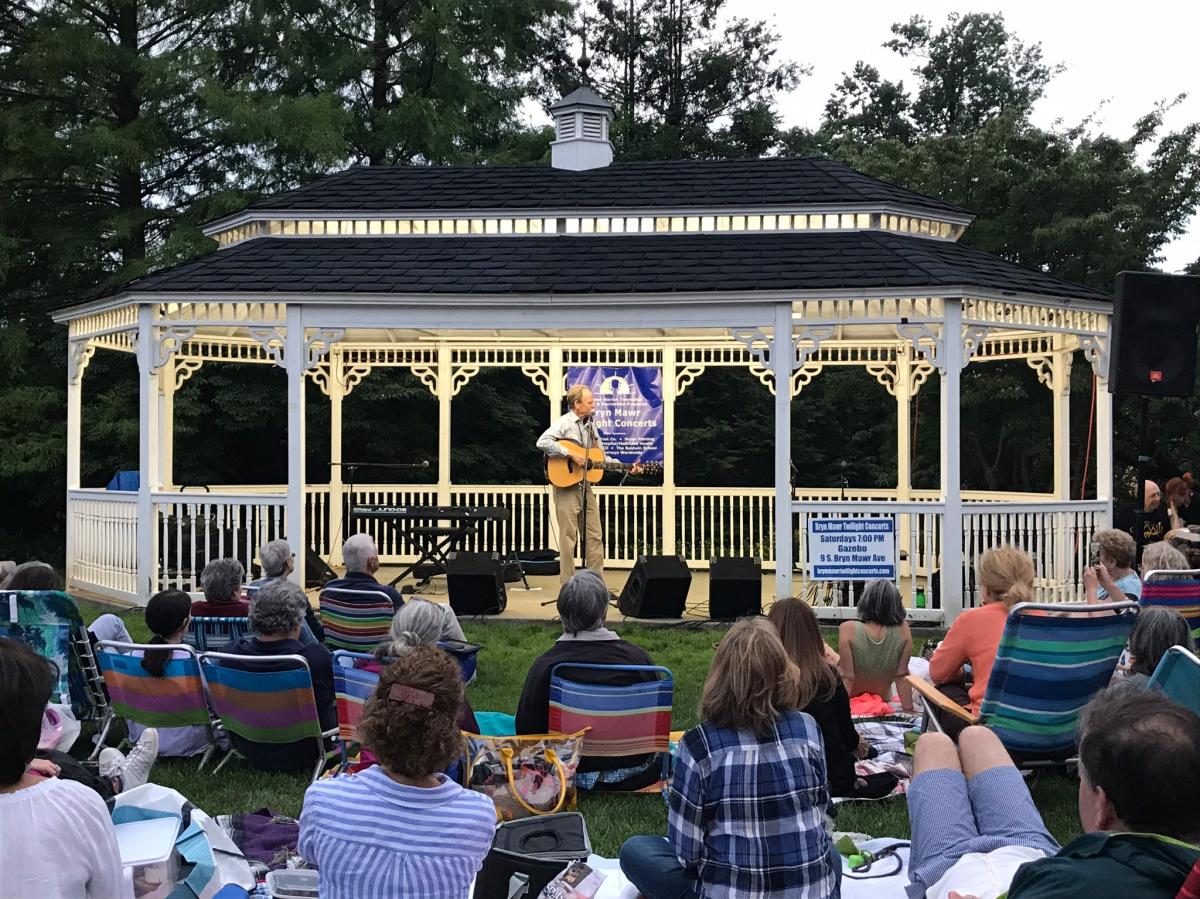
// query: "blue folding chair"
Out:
[215,634]
[1178,676]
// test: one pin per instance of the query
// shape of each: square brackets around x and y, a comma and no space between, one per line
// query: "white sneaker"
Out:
[111,762]
[139,761]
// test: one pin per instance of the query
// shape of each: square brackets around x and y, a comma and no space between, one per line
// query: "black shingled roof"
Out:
[711,184]
[847,260]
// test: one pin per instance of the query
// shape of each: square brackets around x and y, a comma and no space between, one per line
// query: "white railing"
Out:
[192,529]
[711,521]
[102,554]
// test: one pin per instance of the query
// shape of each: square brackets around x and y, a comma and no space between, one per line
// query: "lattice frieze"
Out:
[685,375]
[856,311]
[999,346]
[501,356]
[272,341]
[225,349]
[121,341]
[228,314]
[612,356]
[428,376]
[394,356]
[318,345]
[462,377]
[1021,315]
[79,354]
[540,375]
[184,369]
[105,322]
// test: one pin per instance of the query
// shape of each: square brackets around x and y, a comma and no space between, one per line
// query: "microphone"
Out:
[425,464]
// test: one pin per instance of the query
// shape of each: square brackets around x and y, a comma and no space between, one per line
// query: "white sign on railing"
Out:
[842,549]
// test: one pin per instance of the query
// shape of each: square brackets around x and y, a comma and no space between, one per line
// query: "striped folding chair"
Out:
[1048,666]
[261,704]
[1183,596]
[352,687]
[176,699]
[355,620]
[1178,676]
[628,720]
[215,634]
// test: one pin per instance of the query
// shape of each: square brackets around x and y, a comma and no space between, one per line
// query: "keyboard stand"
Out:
[434,544]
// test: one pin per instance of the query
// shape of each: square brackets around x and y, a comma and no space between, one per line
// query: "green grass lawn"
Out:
[503,662]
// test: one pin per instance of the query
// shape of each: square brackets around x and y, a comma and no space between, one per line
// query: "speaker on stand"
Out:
[657,588]
[475,583]
[734,587]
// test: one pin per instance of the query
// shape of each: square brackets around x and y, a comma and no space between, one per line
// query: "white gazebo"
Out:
[783,266]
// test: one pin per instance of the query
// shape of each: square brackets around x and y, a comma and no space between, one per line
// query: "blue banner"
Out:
[629,408]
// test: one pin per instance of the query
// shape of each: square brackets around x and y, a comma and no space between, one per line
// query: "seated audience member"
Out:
[277,560]
[1188,543]
[582,606]
[168,615]
[975,827]
[749,797]
[830,704]
[1110,577]
[1156,630]
[362,561]
[402,828]
[275,618]
[221,581]
[56,835]
[1180,508]
[1162,556]
[873,652]
[1005,576]
[40,576]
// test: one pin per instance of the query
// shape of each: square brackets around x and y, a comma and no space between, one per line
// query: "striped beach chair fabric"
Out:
[352,687]
[1181,595]
[633,719]
[176,699]
[214,634]
[1047,668]
[266,705]
[1178,676]
[355,620]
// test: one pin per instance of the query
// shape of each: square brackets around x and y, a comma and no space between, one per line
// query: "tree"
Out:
[684,86]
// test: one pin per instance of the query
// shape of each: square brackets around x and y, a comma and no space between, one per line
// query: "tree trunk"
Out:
[126,107]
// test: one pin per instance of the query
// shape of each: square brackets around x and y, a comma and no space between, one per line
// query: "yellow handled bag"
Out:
[524,775]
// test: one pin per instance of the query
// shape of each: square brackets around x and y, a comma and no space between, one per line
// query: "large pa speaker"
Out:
[734,587]
[657,588]
[1153,350]
[475,582]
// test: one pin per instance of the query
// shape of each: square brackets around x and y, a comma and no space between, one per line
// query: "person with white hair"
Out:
[362,561]
[277,560]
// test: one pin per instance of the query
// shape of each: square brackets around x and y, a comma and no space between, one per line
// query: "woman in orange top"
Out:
[1006,578]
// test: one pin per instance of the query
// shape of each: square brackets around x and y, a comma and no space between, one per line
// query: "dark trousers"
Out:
[70,768]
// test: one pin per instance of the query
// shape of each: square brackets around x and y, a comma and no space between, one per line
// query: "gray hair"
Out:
[583,602]
[357,551]
[1157,630]
[880,603]
[277,608]
[221,580]
[1162,556]
[419,622]
[274,557]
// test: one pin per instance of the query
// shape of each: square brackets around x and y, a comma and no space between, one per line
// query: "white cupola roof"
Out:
[581,121]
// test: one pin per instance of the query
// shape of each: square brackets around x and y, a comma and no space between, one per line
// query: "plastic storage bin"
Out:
[148,856]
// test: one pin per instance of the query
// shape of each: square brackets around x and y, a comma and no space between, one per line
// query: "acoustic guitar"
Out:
[563,471]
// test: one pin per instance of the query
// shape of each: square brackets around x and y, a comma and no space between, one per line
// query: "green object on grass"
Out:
[846,846]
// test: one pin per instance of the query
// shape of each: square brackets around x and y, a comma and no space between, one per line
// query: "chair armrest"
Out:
[936,697]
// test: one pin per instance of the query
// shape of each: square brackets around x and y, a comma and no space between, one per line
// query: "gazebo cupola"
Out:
[581,121]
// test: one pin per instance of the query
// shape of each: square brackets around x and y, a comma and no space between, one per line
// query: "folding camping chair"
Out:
[1178,676]
[215,634]
[175,699]
[628,720]
[352,687]
[1047,668]
[355,620]
[266,705]
[1162,588]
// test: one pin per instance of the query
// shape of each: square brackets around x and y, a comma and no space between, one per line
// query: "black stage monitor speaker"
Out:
[734,587]
[1153,351]
[657,588]
[475,582]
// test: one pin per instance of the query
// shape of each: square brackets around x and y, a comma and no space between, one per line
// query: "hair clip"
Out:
[410,695]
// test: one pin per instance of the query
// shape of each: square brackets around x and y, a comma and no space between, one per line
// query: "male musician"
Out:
[576,425]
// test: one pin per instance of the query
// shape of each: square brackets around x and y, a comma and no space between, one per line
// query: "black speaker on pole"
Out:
[657,588]
[734,587]
[1153,350]
[475,582]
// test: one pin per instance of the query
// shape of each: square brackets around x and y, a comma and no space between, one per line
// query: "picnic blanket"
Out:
[890,754]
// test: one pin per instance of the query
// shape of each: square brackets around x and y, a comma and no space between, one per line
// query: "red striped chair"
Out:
[176,699]
[1182,596]
[629,720]
[352,687]
[355,620]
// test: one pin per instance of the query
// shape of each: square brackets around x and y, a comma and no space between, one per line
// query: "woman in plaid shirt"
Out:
[749,797]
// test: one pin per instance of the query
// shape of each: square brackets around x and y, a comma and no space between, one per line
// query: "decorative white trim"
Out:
[428,375]
[540,375]
[1044,366]
[319,345]
[925,341]
[973,338]
[921,370]
[1095,350]
[757,344]
[272,340]
[802,376]
[352,376]
[185,368]
[170,339]
[684,376]
[806,341]
[79,354]
[461,377]
[886,373]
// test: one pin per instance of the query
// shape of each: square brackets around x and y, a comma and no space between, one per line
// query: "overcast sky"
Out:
[1121,59]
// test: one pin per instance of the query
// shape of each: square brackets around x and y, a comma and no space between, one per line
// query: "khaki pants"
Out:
[568,507]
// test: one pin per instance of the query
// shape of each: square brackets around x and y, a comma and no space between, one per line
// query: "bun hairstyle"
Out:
[418,622]
[411,721]
[165,614]
[1008,574]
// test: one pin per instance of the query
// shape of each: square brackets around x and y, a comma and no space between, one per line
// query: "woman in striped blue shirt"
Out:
[749,797]
[401,828]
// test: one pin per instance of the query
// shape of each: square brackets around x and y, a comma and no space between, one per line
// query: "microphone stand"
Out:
[588,434]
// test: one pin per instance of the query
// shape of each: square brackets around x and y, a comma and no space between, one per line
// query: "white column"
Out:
[556,382]
[445,397]
[148,453]
[294,360]
[74,442]
[1104,447]
[1060,386]
[166,421]
[337,392]
[903,387]
[952,354]
[669,540]
[782,353]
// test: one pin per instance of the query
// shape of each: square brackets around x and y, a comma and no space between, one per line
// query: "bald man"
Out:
[1155,522]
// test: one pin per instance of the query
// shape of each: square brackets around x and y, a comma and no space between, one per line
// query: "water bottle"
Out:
[920,598]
